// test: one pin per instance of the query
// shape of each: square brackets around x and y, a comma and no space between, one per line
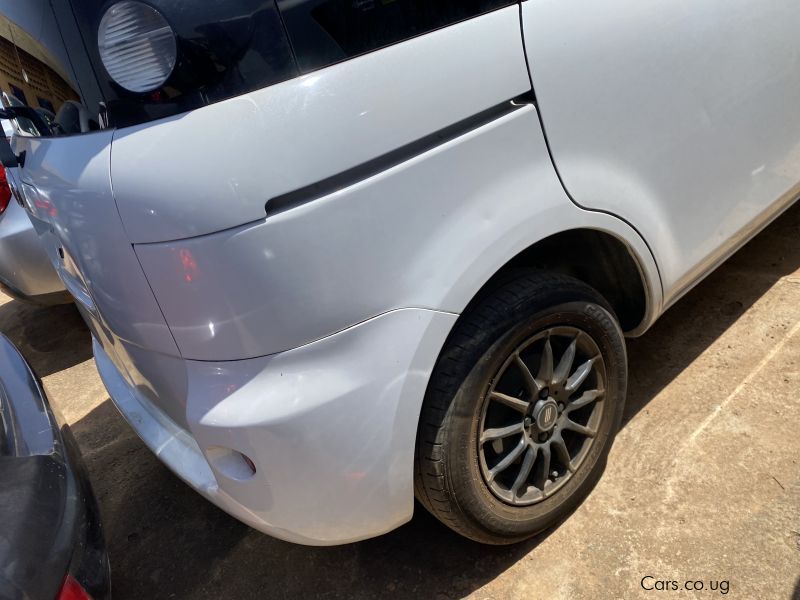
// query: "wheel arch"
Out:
[597,257]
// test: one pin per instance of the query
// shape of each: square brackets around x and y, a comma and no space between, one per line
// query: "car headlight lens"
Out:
[137,46]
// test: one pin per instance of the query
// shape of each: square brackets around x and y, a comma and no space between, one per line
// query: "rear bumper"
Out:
[330,427]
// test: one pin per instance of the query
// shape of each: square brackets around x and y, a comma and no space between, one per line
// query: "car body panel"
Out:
[678,117]
[67,188]
[501,193]
[68,193]
[321,476]
[218,166]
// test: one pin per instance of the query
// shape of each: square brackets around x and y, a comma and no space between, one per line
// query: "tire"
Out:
[458,475]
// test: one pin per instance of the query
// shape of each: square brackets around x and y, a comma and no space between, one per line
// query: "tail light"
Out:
[72,590]
[5,191]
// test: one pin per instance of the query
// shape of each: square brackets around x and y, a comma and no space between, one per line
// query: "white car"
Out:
[335,255]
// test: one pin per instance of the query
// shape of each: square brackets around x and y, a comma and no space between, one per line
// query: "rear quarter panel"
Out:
[680,117]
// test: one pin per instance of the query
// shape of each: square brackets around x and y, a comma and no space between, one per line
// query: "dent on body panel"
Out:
[365,468]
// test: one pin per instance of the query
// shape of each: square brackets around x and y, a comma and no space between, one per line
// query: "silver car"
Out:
[26,272]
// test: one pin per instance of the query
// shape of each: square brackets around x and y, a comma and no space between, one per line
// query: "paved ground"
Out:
[703,482]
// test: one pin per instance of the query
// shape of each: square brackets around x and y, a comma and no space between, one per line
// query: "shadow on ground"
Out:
[52,339]
[166,541]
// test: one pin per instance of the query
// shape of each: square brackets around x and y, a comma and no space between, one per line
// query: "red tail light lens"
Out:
[72,590]
[5,191]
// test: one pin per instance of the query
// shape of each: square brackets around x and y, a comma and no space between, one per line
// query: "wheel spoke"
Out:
[562,452]
[506,462]
[578,428]
[501,432]
[546,469]
[585,399]
[565,364]
[515,403]
[530,382]
[580,375]
[546,365]
[525,470]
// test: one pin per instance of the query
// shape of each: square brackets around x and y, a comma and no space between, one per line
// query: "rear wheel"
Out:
[521,409]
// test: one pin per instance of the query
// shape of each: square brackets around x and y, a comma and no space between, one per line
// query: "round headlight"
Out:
[137,46]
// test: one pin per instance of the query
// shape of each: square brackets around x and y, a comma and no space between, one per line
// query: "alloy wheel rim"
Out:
[541,415]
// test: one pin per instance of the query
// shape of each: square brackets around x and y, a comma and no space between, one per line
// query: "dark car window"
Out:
[324,32]
[225,49]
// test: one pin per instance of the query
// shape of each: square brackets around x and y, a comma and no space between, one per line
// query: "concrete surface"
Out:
[703,483]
